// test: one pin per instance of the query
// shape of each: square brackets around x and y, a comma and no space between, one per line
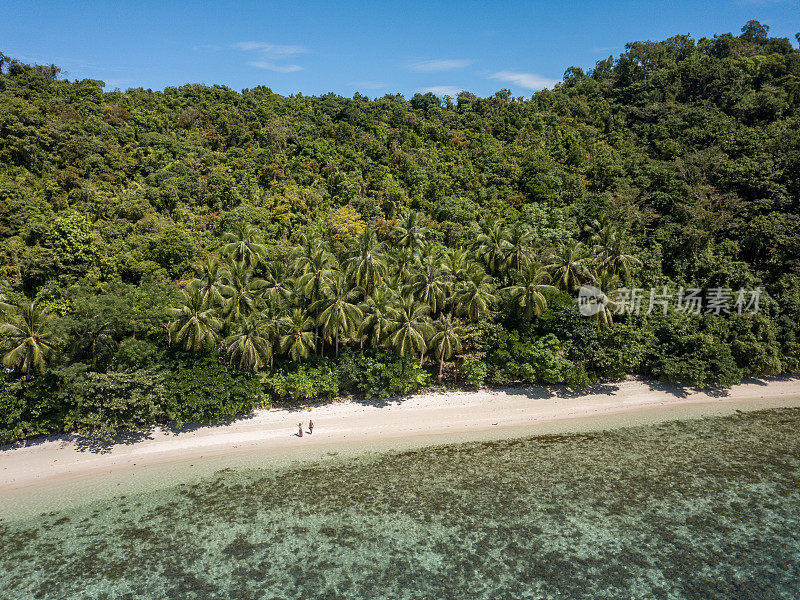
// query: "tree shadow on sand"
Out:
[96,445]
[84,443]
[128,438]
[714,391]
[680,390]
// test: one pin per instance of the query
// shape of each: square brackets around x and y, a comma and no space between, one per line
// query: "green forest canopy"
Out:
[192,253]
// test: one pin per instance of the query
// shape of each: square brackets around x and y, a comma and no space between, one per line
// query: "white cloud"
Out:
[442,90]
[442,64]
[263,64]
[268,56]
[529,81]
[270,49]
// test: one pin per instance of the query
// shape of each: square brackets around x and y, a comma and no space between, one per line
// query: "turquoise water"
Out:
[692,509]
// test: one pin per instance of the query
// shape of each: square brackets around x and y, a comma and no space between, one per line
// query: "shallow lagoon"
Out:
[691,509]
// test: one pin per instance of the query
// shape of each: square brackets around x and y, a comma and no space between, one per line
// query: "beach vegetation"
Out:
[203,251]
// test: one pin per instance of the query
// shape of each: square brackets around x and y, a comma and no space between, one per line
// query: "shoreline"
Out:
[358,427]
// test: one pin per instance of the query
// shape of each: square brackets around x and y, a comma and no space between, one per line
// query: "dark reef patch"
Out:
[694,509]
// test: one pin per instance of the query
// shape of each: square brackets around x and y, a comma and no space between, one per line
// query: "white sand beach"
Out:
[396,423]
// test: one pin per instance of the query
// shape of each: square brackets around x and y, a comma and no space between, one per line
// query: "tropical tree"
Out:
[456,263]
[95,338]
[250,347]
[241,292]
[428,282]
[298,339]
[520,247]
[244,245]
[411,328]
[611,251]
[491,244]
[526,291]
[338,314]
[367,264]
[377,312]
[194,324]
[447,340]
[567,266]
[602,300]
[311,257]
[313,264]
[272,326]
[402,263]
[4,306]
[411,234]
[618,261]
[476,295]
[29,334]
[279,286]
[211,275]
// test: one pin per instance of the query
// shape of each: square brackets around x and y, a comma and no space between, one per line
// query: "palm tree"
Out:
[366,265]
[567,266]
[456,266]
[476,295]
[272,325]
[95,338]
[527,290]
[311,257]
[338,315]
[250,347]
[313,263]
[520,247]
[4,306]
[28,332]
[456,263]
[428,282]
[602,230]
[447,339]
[617,261]
[611,253]
[194,323]
[279,286]
[402,261]
[377,320]
[604,302]
[244,245]
[491,244]
[411,328]
[411,234]
[210,276]
[241,291]
[298,341]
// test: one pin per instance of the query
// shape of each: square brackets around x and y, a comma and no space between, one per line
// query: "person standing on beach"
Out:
[310,426]
[299,430]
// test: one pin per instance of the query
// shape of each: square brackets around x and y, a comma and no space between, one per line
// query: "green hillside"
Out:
[192,253]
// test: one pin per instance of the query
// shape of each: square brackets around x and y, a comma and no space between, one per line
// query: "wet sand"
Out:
[269,436]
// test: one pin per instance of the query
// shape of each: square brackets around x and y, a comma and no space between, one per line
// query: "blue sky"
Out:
[343,47]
